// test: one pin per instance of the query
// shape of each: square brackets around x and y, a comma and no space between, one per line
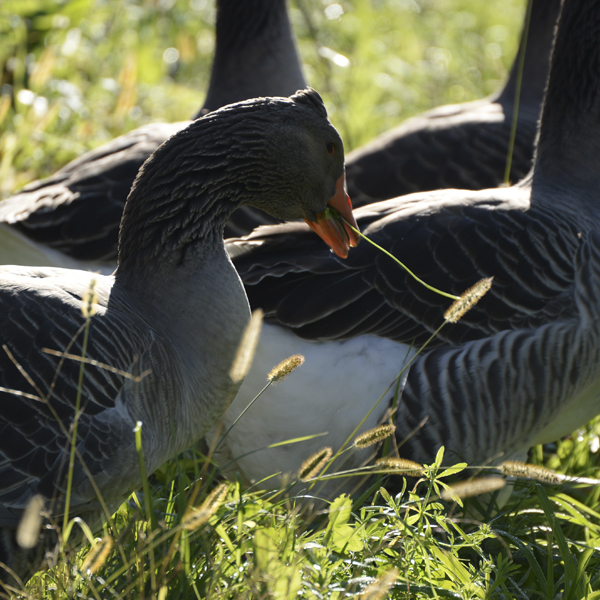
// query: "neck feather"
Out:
[537,45]
[185,193]
[255,53]
[569,139]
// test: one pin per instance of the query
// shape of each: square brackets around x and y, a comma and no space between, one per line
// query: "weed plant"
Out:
[76,73]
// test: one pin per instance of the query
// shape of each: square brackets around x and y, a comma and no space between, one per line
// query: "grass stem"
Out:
[71,469]
[426,285]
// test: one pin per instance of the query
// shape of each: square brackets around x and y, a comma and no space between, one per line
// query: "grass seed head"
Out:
[198,516]
[380,588]
[314,464]
[246,348]
[28,531]
[474,487]
[89,301]
[374,436]
[468,300]
[400,466]
[516,468]
[285,367]
[97,555]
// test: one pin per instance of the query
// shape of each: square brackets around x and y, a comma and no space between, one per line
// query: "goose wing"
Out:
[462,147]
[37,407]
[78,209]
[449,239]
[493,398]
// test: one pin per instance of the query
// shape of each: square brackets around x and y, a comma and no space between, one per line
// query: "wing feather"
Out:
[451,240]
[35,433]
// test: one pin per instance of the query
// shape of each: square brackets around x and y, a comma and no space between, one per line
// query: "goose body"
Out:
[463,146]
[174,311]
[71,219]
[520,368]
[43,309]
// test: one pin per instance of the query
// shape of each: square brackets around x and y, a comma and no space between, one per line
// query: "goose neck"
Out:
[569,138]
[536,42]
[172,234]
[184,194]
[255,53]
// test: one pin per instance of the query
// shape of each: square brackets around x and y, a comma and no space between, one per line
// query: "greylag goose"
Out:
[71,219]
[521,368]
[461,146]
[175,309]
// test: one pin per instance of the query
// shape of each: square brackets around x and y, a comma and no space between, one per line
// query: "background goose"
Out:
[463,145]
[71,219]
[175,307]
[520,368]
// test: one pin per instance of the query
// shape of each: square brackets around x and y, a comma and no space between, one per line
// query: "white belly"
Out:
[329,394]
[579,411]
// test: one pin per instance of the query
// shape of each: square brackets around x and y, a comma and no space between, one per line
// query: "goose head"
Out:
[281,155]
[306,183]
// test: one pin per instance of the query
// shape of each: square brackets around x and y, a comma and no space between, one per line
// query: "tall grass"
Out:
[84,71]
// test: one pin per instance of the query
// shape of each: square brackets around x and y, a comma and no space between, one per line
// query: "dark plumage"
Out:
[521,368]
[174,310]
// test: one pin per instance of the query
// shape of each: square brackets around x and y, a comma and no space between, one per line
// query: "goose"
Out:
[174,309]
[520,368]
[461,146]
[71,219]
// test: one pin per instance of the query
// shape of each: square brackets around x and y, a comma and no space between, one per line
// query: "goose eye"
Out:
[331,148]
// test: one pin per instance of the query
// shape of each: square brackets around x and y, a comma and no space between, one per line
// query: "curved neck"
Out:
[183,196]
[569,138]
[537,45]
[255,53]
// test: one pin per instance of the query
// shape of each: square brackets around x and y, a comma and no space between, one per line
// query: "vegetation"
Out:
[76,73]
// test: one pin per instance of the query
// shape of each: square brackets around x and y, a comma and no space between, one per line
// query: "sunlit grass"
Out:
[259,546]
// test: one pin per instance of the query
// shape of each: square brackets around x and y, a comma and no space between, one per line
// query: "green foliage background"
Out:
[97,68]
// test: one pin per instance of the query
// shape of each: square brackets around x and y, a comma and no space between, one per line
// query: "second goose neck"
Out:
[569,138]
[538,48]
[255,53]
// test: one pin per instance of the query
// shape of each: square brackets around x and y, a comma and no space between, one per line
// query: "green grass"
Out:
[258,545]
[96,70]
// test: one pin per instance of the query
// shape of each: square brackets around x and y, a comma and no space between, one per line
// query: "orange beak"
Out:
[330,226]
